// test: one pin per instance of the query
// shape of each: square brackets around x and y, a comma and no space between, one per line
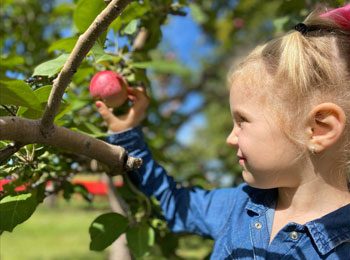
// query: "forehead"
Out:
[249,89]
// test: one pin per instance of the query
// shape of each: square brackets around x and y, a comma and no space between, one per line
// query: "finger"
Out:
[131,97]
[138,95]
[104,111]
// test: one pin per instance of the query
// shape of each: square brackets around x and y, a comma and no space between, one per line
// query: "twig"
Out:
[82,47]
[134,189]
[9,150]
[140,39]
[9,110]
[177,12]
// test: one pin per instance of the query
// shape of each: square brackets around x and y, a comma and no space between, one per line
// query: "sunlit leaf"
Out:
[131,27]
[66,44]
[16,92]
[51,67]
[100,54]
[16,209]
[140,239]
[165,66]
[86,12]
[105,229]
[64,8]
[42,94]
[132,11]
[198,15]
[11,61]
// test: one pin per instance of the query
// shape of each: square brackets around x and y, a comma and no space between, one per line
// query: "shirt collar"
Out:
[331,230]
[260,200]
[327,232]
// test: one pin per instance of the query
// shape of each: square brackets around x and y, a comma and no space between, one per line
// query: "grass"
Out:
[61,233]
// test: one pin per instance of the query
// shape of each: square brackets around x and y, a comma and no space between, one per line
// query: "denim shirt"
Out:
[238,219]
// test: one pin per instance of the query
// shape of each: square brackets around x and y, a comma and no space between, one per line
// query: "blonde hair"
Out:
[302,70]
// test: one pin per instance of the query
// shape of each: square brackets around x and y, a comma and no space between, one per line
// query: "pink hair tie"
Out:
[340,15]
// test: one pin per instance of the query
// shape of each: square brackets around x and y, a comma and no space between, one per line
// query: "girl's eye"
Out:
[241,120]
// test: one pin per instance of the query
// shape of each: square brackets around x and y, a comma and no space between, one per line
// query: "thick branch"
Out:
[82,47]
[28,131]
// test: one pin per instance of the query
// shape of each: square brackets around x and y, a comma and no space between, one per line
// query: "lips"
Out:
[241,160]
[241,157]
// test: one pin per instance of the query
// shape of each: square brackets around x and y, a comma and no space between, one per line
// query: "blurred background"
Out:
[189,49]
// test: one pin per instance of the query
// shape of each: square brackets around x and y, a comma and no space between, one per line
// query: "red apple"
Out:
[109,87]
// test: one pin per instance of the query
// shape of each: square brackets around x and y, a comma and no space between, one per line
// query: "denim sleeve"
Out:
[196,210]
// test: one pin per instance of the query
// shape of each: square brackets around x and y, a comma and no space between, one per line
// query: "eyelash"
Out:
[241,120]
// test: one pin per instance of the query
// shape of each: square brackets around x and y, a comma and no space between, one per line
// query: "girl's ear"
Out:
[326,125]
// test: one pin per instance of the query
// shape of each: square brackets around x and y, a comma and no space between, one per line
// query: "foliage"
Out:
[38,53]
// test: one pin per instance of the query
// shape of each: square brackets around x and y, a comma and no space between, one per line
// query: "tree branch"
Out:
[9,110]
[82,47]
[9,150]
[28,131]
[140,39]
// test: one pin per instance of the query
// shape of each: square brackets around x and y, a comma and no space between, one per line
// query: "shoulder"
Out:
[241,197]
[251,200]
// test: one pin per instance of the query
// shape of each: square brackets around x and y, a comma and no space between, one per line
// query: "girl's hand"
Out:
[134,116]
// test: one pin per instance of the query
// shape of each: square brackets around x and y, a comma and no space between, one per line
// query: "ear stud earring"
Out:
[313,149]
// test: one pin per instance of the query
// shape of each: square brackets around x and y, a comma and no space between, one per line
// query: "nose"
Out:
[232,139]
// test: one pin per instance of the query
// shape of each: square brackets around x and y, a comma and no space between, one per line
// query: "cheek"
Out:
[246,143]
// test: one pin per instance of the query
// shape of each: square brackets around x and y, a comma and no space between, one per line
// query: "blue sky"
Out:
[183,37]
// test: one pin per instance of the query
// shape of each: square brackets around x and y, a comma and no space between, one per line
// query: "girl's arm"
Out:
[197,211]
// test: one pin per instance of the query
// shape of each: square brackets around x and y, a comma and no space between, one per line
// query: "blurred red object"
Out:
[94,187]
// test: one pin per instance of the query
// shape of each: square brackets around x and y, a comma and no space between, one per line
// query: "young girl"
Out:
[290,103]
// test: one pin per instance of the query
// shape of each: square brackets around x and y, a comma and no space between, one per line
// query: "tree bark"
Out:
[28,131]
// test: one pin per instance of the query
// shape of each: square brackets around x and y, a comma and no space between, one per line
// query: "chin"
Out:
[258,184]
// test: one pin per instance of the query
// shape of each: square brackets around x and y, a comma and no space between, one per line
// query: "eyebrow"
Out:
[239,112]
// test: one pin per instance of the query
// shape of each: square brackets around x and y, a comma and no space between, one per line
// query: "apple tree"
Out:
[49,126]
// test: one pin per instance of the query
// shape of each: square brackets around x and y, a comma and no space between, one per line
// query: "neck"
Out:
[312,197]
[319,187]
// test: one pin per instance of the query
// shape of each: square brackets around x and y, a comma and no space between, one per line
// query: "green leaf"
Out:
[66,44]
[131,12]
[42,94]
[81,189]
[16,209]
[131,27]
[11,61]
[165,66]
[51,67]
[100,54]
[140,239]
[18,93]
[95,135]
[6,170]
[83,74]
[63,110]
[86,12]
[4,112]
[198,15]
[280,22]
[64,8]
[105,229]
